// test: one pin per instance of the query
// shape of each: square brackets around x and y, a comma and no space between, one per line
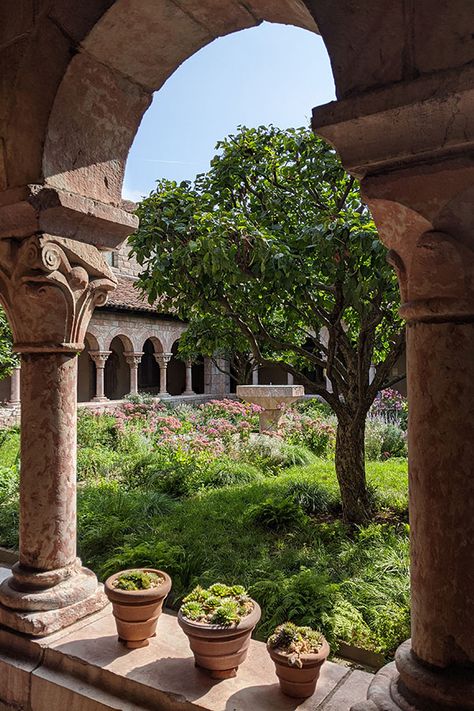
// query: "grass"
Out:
[255,521]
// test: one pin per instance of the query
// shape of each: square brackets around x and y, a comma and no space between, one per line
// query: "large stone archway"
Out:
[75,83]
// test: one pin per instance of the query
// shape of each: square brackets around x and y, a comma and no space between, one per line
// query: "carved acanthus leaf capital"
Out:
[99,357]
[50,286]
[133,359]
[163,359]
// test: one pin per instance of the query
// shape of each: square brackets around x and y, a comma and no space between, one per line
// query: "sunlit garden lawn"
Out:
[192,492]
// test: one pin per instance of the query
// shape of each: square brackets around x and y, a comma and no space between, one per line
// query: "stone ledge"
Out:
[85,668]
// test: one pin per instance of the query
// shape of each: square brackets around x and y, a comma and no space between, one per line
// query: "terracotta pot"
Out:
[136,612]
[297,682]
[219,650]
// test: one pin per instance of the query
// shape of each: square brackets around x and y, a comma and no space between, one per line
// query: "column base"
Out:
[100,399]
[189,392]
[41,611]
[409,685]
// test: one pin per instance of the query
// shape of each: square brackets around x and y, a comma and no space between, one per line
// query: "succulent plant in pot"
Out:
[298,654]
[219,622]
[137,598]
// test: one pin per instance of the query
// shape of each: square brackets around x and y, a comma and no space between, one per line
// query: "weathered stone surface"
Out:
[272,398]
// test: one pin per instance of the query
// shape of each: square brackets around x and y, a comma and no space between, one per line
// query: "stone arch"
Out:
[128,54]
[127,342]
[176,373]
[86,370]
[117,370]
[148,369]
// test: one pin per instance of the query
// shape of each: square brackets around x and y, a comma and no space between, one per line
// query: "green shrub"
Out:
[374,431]
[277,514]
[175,472]
[9,506]
[394,442]
[313,497]
[307,599]
[96,430]
[314,407]
[271,454]
[10,447]
[225,472]
[98,463]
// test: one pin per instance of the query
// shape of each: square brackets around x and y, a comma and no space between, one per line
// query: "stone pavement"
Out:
[85,668]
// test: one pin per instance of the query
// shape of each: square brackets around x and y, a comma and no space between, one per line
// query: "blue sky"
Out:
[268,74]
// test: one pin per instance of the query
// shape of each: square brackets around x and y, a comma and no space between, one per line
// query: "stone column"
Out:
[188,389]
[49,296]
[414,157]
[372,373]
[133,360]
[255,376]
[99,358]
[163,359]
[290,379]
[15,387]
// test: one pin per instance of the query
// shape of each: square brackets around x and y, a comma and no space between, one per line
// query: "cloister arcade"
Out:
[76,79]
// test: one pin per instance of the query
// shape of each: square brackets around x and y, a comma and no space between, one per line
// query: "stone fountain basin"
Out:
[270,397]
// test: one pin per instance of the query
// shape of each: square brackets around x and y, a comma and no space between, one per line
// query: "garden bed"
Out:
[190,491]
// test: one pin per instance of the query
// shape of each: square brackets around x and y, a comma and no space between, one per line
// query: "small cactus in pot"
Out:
[218,622]
[137,598]
[298,654]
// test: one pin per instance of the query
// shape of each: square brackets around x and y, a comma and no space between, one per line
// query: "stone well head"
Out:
[272,398]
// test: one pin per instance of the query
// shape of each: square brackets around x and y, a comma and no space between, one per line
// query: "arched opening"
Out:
[86,370]
[117,370]
[129,53]
[148,369]
[176,373]
[198,376]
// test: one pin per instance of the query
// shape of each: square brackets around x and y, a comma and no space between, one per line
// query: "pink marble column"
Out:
[50,297]
[100,359]
[15,387]
[163,359]
[188,389]
[435,669]
[133,360]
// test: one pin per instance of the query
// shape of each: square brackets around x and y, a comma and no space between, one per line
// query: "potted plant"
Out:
[298,654]
[137,598]
[219,622]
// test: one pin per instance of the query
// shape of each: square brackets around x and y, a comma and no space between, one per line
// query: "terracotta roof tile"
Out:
[128,297]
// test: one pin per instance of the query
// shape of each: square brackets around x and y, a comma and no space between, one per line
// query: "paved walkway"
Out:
[85,668]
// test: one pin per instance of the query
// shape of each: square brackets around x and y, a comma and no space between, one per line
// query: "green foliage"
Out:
[137,580]
[271,454]
[295,641]
[307,599]
[219,604]
[277,514]
[226,472]
[8,359]
[9,506]
[96,430]
[98,463]
[10,447]
[384,440]
[313,497]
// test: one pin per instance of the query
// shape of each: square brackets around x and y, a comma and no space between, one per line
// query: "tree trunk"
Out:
[350,470]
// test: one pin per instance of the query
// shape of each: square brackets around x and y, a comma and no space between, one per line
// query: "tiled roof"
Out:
[128,297]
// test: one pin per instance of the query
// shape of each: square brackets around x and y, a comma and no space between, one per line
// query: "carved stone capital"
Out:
[99,357]
[163,359]
[50,286]
[133,359]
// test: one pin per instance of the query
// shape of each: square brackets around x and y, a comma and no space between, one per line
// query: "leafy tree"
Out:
[275,243]
[8,359]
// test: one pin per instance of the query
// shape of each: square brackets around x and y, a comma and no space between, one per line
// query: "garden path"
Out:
[85,667]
